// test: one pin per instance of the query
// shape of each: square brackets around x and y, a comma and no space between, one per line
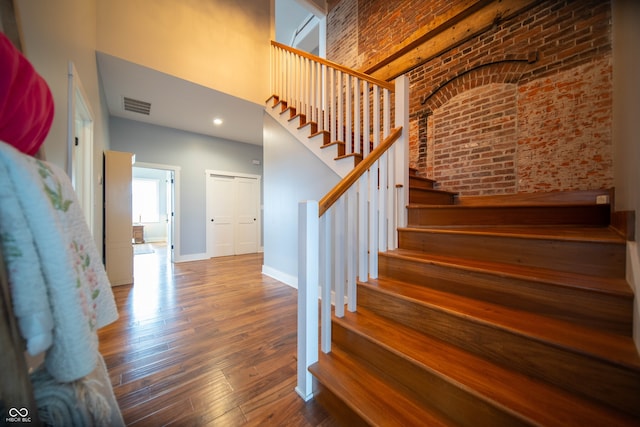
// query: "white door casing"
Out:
[173,205]
[80,145]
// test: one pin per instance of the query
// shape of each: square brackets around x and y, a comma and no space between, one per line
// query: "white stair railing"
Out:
[341,235]
[352,107]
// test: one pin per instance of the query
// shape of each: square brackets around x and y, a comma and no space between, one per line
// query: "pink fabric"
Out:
[26,103]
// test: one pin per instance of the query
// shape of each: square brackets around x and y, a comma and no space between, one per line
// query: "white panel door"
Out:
[220,209]
[246,190]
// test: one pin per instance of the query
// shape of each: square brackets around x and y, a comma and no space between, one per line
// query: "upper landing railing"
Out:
[340,236]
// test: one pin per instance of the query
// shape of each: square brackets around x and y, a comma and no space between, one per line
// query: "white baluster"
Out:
[351,246]
[357,125]
[363,221]
[308,236]
[348,130]
[373,221]
[366,123]
[325,280]
[339,256]
[382,200]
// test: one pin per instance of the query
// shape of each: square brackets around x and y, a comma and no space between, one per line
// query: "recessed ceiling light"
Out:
[217,121]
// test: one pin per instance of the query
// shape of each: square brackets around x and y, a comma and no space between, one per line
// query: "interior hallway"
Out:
[205,343]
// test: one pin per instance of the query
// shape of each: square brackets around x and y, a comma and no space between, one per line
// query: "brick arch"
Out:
[505,69]
[474,141]
[508,68]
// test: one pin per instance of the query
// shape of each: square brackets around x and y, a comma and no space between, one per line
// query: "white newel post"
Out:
[402,147]
[308,264]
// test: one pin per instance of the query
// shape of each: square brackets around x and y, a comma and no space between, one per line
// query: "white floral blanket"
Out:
[61,293]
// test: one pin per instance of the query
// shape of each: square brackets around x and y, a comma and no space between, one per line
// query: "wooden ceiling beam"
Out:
[463,21]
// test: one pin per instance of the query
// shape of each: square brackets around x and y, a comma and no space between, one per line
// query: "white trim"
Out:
[177,254]
[156,166]
[233,174]
[633,278]
[74,86]
[314,7]
[190,257]
[78,106]
[285,278]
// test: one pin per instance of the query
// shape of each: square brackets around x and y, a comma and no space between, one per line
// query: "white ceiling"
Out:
[187,106]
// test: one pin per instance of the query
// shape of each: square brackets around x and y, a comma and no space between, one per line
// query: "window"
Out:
[145,201]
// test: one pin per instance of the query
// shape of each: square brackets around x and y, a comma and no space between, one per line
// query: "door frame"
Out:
[173,239]
[258,178]
[80,160]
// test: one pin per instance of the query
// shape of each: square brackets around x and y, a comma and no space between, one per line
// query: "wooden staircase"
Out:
[494,311]
[336,150]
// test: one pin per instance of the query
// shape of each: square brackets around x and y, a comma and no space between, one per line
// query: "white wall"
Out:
[193,153]
[626,129]
[53,33]
[214,43]
[291,174]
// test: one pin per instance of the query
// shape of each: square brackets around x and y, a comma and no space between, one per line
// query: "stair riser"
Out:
[461,406]
[426,197]
[573,371]
[601,259]
[336,406]
[587,308]
[511,215]
[415,182]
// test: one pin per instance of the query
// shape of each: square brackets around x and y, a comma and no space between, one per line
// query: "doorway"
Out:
[80,145]
[233,213]
[155,214]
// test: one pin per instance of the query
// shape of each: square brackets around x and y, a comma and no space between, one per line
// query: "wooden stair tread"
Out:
[525,204]
[422,179]
[608,285]
[533,401]
[368,395]
[539,198]
[617,349]
[434,190]
[567,233]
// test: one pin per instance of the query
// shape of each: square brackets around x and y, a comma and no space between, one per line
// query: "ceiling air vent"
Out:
[136,106]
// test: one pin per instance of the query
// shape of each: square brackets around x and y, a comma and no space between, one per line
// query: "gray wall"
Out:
[193,153]
[291,173]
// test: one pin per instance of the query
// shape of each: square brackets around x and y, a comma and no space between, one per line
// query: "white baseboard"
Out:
[190,257]
[285,278]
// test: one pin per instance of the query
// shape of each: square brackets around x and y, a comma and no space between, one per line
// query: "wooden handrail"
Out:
[386,85]
[336,192]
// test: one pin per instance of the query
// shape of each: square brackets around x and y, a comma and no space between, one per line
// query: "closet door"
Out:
[233,208]
[221,212]
[246,236]
[118,226]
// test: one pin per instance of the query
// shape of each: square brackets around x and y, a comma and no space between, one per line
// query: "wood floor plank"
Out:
[206,343]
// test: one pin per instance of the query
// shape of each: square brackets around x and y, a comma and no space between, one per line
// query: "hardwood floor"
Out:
[206,343]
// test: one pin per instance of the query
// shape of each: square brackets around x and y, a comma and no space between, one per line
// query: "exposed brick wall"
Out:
[342,34]
[561,104]
[478,157]
[401,18]
[566,144]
